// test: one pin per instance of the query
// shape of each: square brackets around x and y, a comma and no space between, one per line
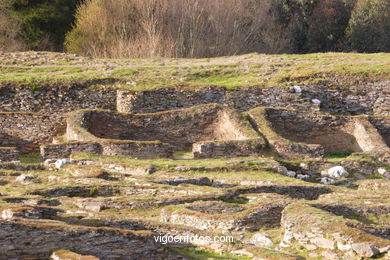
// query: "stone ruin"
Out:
[154,124]
[208,130]
[239,198]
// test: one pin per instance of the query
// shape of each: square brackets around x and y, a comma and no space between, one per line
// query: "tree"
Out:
[44,23]
[326,26]
[369,26]
[176,28]
[9,28]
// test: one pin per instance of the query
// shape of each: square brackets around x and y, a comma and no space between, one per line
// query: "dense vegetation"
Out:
[36,24]
[194,28]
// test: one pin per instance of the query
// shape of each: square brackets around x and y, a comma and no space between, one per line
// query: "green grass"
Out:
[339,154]
[218,162]
[30,158]
[250,70]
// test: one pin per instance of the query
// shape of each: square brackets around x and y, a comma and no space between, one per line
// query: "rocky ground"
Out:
[90,206]
[112,208]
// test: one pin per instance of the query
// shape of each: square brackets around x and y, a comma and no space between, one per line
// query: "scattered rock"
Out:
[336,172]
[316,101]
[25,179]
[291,174]
[261,240]
[49,162]
[329,181]
[382,171]
[281,170]
[61,162]
[243,252]
[330,255]
[323,243]
[69,255]
[313,255]
[297,89]
[364,249]
[87,163]
[92,205]
[303,176]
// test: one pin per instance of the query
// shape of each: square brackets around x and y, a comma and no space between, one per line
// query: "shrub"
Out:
[326,26]
[175,28]
[44,23]
[9,29]
[369,26]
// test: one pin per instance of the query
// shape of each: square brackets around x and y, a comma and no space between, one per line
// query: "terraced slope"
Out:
[247,157]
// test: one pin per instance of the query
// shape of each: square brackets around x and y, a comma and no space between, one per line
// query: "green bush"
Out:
[44,23]
[9,28]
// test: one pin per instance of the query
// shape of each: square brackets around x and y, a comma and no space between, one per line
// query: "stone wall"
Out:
[27,131]
[278,144]
[382,124]
[175,98]
[373,98]
[9,154]
[55,151]
[139,150]
[293,133]
[315,229]
[148,150]
[224,219]
[37,241]
[180,128]
[368,137]
[220,149]
[56,98]
[334,133]
[158,134]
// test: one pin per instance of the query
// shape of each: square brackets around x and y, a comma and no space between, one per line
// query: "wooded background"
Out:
[194,28]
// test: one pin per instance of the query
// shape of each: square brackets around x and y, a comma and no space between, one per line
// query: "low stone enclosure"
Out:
[181,118]
[209,130]
[223,217]
[218,131]
[294,133]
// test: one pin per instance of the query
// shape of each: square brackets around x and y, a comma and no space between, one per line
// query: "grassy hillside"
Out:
[254,70]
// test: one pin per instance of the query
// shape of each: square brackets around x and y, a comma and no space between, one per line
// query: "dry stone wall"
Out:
[382,124]
[139,150]
[332,132]
[310,227]
[157,135]
[176,98]
[24,241]
[278,144]
[8,154]
[371,99]
[56,98]
[294,133]
[254,147]
[54,151]
[27,131]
